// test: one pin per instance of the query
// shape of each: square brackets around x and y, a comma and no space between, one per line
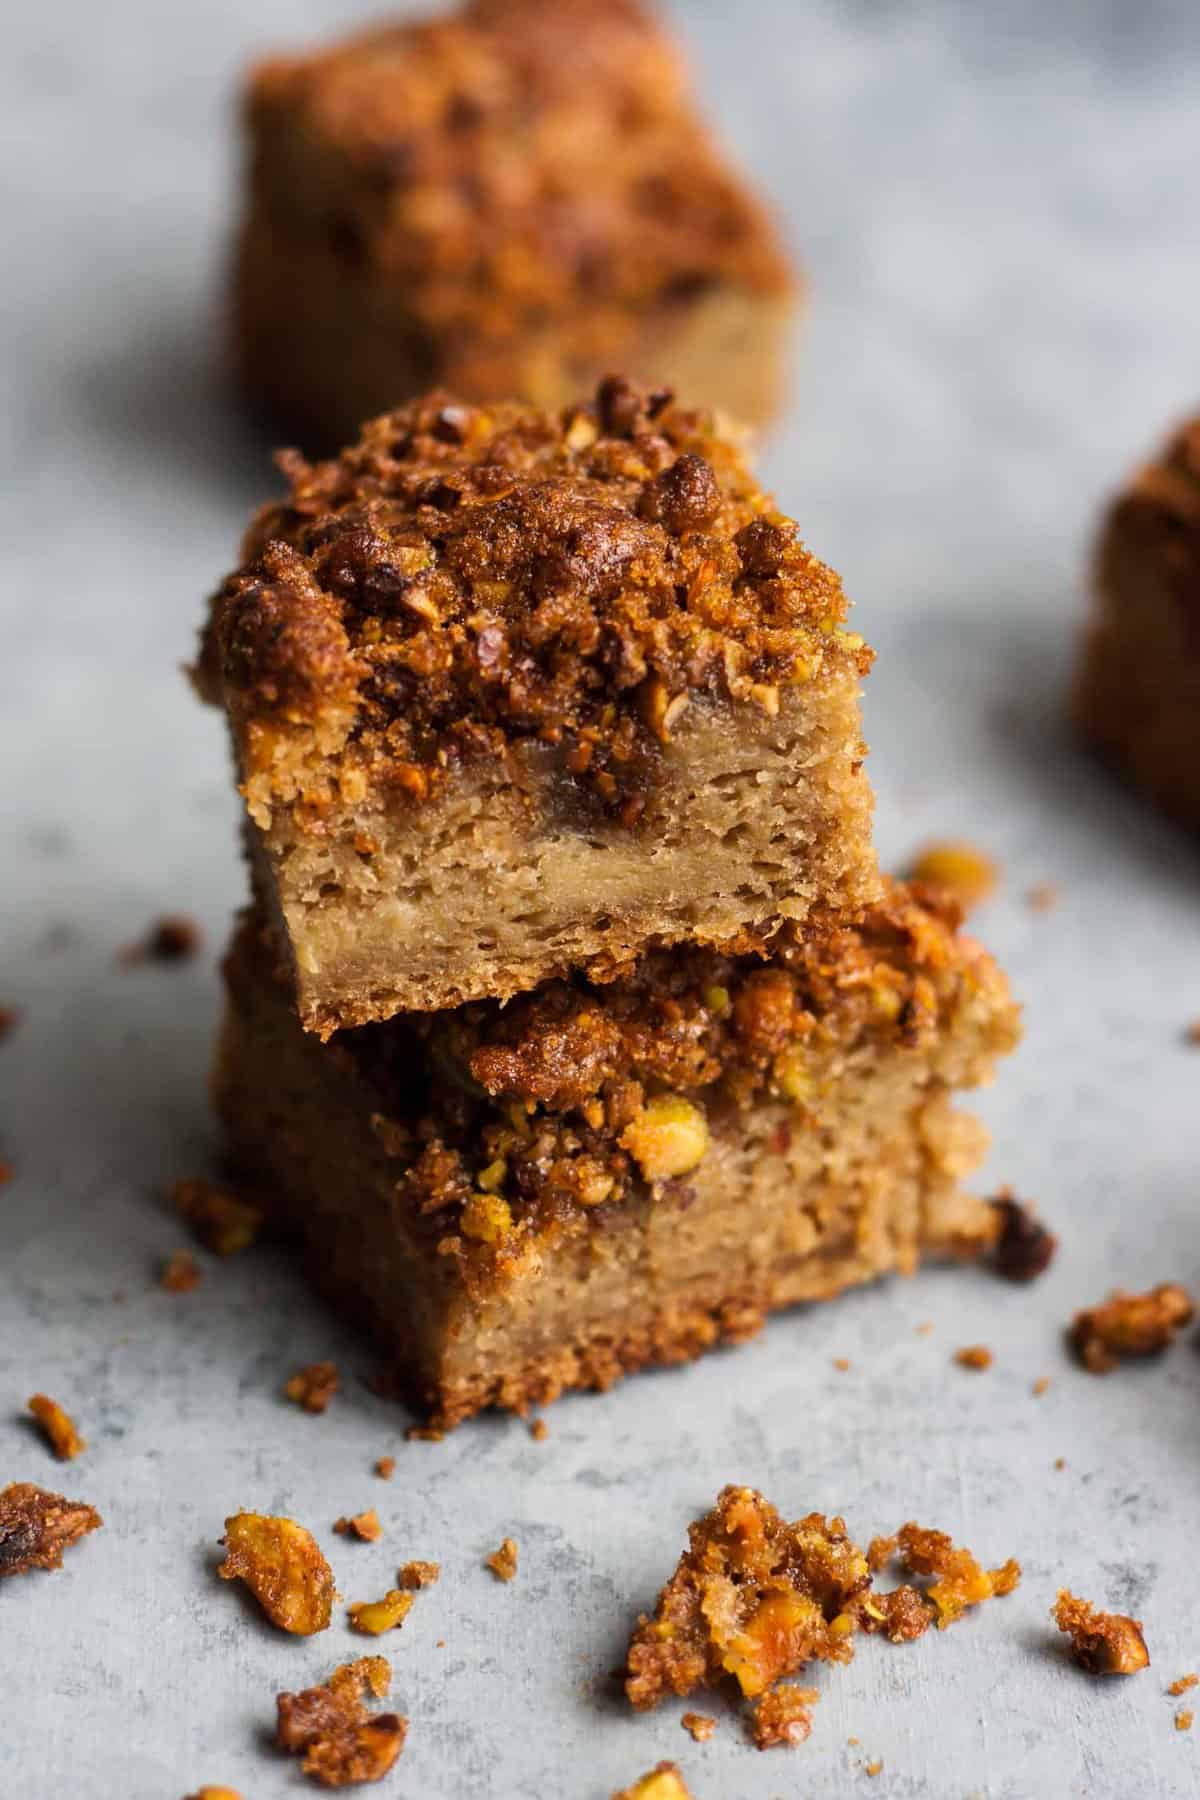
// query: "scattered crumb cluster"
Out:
[1102,1643]
[1130,1325]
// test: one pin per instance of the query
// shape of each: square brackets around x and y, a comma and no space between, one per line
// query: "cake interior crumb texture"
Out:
[509,200]
[515,1201]
[513,692]
[1137,699]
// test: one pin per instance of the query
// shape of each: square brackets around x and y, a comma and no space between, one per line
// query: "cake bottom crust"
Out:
[321,345]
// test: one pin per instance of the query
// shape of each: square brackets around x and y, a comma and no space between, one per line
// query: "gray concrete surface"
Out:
[997,209]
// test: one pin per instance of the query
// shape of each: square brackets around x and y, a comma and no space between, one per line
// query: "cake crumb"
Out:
[215,1793]
[700,1725]
[221,1221]
[1184,1685]
[10,1018]
[966,872]
[664,1782]
[783,1715]
[419,1574]
[313,1386]
[173,938]
[1043,896]
[1130,1325]
[180,1273]
[1041,1386]
[853,1742]
[6,1173]
[1060,1462]
[364,1526]
[343,1744]
[503,1562]
[539,1431]
[1024,1249]
[924,1328]
[374,1617]
[841,1363]
[1102,1643]
[1184,1719]
[57,1426]
[36,1526]
[874,1768]
[974,1356]
[385,1468]
[282,1565]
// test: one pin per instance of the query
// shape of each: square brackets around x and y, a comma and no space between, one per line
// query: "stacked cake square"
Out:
[572,1027]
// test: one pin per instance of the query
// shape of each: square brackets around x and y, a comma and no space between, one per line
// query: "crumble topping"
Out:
[313,1386]
[664,1782]
[171,939]
[1102,1643]
[955,1578]
[1024,1249]
[342,1742]
[221,1221]
[783,1715]
[36,1526]
[180,1273]
[58,1426]
[1130,1325]
[964,871]
[509,163]
[374,1617]
[700,1726]
[503,1562]
[464,579]
[419,1574]
[364,1526]
[284,1568]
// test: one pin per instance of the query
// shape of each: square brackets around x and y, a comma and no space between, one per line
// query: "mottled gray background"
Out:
[997,207]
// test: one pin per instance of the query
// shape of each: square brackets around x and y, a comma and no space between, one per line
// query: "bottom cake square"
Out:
[515,1200]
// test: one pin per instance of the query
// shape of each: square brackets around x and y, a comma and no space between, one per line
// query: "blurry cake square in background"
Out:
[513,692]
[507,201]
[1137,698]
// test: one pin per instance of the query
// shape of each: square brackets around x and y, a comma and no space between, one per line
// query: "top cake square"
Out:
[508,201]
[514,692]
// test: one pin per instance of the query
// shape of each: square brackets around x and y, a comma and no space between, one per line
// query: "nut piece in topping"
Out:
[503,1562]
[342,1743]
[58,1426]
[960,1580]
[668,1139]
[700,1725]
[419,1574]
[784,1715]
[1130,1325]
[282,1565]
[1102,1643]
[171,939]
[961,869]
[753,1597]
[974,1356]
[363,1525]
[222,1222]
[1024,1249]
[374,1617]
[180,1273]
[313,1386]
[664,1782]
[36,1526]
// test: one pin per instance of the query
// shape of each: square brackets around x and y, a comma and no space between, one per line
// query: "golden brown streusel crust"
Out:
[1102,1643]
[464,578]
[343,1744]
[1130,1325]
[506,164]
[36,1526]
